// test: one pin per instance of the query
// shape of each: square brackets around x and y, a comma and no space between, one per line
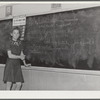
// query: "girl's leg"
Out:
[14,87]
[8,85]
[18,85]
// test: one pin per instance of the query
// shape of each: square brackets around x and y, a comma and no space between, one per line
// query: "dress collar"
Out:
[15,42]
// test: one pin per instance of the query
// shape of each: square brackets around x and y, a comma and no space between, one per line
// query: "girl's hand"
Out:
[27,65]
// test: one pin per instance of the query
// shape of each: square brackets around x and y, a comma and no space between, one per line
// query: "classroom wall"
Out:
[40,78]
[60,79]
[31,9]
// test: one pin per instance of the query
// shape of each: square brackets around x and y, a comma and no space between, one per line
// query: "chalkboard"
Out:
[69,39]
[5,29]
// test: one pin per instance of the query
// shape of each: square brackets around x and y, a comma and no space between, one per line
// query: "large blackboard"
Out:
[68,39]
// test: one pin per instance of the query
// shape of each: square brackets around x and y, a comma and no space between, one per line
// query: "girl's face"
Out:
[15,34]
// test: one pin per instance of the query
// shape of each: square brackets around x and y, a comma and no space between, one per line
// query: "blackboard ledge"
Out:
[60,70]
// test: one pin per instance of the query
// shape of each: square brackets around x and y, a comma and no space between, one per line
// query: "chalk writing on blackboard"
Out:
[68,39]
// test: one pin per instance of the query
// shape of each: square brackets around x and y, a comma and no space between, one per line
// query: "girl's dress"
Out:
[13,71]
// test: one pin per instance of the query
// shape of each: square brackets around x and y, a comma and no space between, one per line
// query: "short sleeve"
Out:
[8,46]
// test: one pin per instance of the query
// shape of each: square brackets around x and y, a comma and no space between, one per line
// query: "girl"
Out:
[12,71]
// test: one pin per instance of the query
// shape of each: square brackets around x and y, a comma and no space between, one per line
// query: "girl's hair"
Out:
[16,28]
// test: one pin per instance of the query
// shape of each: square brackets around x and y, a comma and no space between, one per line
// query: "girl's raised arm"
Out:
[23,59]
[10,55]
